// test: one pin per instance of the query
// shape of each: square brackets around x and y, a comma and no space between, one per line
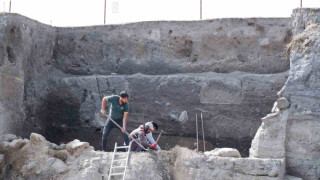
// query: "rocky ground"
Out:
[37,158]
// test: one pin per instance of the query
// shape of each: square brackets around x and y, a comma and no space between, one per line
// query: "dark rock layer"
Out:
[52,79]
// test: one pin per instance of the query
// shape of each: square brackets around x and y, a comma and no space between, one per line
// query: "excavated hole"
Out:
[60,120]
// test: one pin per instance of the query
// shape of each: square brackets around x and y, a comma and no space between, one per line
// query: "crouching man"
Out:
[149,136]
[139,135]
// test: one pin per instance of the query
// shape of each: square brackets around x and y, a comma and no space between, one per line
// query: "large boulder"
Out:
[224,152]
[37,140]
[8,137]
[76,145]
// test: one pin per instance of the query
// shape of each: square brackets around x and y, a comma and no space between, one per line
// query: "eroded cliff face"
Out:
[53,79]
[302,88]
[25,56]
[293,132]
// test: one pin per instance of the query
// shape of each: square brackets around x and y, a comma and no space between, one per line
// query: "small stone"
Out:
[269,118]
[173,116]
[53,166]
[38,171]
[62,155]
[58,166]
[195,144]
[50,161]
[307,111]
[8,137]
[264,42]
[31,165]
[4,146]
[62,146]
[280,93]
[52,145]
[283,103]
[18,143]
[183,117]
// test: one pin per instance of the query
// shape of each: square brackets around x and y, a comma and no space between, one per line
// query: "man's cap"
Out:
[150,125]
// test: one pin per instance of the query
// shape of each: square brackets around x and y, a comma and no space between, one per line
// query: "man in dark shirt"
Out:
[119,109]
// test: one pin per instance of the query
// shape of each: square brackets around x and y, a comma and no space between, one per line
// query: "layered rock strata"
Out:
[52,79]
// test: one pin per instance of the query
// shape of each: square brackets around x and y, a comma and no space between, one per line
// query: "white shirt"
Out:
[150,140]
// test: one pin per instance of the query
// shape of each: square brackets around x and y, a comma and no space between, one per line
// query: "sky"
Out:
[91,12]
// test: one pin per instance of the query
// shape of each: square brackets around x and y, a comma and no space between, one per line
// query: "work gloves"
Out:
[154,145]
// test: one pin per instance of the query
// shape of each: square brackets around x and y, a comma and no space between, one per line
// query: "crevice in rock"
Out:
[11,54]
[98,86]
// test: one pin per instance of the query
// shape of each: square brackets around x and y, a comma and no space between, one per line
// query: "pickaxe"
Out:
[160,136]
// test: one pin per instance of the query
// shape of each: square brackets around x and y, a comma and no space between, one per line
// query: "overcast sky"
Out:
[91,12]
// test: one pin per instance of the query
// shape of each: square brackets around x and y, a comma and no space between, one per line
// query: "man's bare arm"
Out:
[103,105]
[125,114]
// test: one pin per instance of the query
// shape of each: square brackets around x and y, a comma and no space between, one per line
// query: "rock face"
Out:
[34,160]
[292,132]
[167,96]
[53,79]
[25,54]
[302,90]
[221,45]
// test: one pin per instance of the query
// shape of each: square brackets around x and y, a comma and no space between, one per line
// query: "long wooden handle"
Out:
[125,132]
[197,132]
[204,143]
[159,137]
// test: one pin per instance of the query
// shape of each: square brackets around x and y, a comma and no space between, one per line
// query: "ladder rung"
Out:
[122,147]
[119,159]
[121,153]
[118,167]
[116,174]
